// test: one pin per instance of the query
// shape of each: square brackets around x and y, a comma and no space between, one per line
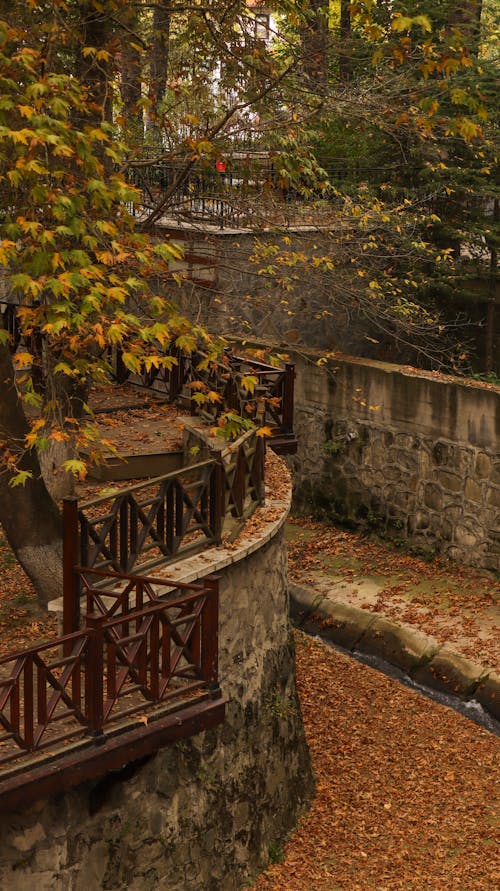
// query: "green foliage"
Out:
[333,447]
[279,706]
[231,425]
[76,262]
[275,852]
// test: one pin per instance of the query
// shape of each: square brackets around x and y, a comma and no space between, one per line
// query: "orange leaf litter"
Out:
[405,797]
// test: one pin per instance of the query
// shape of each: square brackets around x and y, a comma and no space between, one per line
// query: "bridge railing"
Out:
[124,662]
[160,520]
[270,403]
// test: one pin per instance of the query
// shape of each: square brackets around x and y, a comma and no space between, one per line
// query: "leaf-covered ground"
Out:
[407,790]
[456,605]
[23,622]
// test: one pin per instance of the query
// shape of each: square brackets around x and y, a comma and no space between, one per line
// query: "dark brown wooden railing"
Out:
[149,646]
[270,404]
[159,520]
[129,658]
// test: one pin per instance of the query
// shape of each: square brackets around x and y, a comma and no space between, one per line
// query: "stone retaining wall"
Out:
[202,814]
[409,454]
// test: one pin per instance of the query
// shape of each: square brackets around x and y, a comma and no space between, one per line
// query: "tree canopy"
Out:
[377,121]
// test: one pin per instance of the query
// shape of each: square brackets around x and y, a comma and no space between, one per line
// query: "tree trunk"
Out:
[159,50]
[490,327]
[315,40]
[345,39]
[28,515]
[95,29]
[158,62]
[130,78]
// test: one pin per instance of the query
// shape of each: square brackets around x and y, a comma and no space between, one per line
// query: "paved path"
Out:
[436,621]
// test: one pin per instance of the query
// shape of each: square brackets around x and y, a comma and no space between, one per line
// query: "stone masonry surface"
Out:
[412,455]
[201,814]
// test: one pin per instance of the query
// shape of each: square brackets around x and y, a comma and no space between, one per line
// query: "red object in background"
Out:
[220,166]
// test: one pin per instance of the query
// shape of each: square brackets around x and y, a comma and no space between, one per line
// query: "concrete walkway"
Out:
[407,614]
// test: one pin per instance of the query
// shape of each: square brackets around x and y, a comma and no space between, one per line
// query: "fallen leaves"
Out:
[23,621]
[405,796]
[456,605]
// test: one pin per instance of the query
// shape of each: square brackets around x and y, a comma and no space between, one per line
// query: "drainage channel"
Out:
[469,708]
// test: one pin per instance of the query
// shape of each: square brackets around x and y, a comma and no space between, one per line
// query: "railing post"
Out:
[94,669]
[260,475]
[288,386]
[71,559]
[174,379]
[210,632]
[239,487]
[217,500]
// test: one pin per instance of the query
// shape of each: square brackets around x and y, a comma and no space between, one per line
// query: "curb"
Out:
[418,655]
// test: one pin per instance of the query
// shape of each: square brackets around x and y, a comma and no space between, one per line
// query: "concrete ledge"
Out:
[343,624]
[417,654]
[451,673]
[303,602]
[317,614]
[405,647]
[488,694]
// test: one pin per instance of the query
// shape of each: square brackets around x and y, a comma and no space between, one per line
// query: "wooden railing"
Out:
[160,520]
[129,658]
[270,404]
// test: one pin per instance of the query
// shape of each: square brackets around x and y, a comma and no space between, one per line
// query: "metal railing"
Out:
[224,192]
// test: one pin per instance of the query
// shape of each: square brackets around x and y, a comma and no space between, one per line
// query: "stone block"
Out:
[495,474]
[483,465]
[465,537]
[433,496]
[421,520]
[472,490]
[454,512]
[450,672]
[343,624]
[493,496]
[451,482]
[392,474]
[488,694]
[397,644]
[463,461]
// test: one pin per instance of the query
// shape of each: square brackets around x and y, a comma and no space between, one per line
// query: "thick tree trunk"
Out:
[158,66]
[95,29]
[28,515]
[130,78]
[345,39]
[159,50]
[315,42]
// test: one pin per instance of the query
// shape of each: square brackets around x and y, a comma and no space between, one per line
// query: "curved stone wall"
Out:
[202,814]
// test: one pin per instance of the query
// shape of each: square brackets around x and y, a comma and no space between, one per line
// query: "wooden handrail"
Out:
[81,691]
[172,474]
